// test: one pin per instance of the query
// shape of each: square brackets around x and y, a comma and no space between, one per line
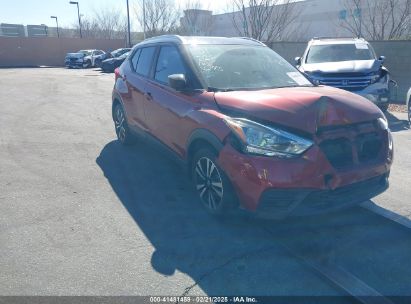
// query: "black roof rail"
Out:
[337,38]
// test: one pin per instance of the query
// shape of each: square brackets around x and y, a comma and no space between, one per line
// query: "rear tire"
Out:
[211,183]
[123,132]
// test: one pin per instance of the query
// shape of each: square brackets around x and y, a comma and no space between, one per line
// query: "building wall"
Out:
[20,52]
[397,53]
[317,18]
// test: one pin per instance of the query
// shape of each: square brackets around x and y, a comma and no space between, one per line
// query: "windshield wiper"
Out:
[295,86]
[213,89]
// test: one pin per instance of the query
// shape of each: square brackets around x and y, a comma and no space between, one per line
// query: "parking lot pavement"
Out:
[397,198]
[82,215]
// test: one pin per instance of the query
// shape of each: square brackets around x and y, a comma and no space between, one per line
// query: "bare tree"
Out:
[377,20]
[161,16]
[106,23]
[265,20]
[112,24]
[196,20]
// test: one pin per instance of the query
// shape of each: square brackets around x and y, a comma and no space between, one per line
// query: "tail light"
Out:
[117,74]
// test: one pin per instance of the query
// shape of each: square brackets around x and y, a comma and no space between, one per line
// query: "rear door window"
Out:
[145,60]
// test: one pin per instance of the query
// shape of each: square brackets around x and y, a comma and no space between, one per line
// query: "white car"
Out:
[85,58]
[409,105]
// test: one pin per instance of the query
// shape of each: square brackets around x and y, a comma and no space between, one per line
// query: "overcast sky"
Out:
[39,11]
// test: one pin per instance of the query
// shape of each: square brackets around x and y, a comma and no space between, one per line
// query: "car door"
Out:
[165,107]
[140,69]
[93,58]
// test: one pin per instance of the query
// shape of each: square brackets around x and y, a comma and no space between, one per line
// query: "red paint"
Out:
[172,116]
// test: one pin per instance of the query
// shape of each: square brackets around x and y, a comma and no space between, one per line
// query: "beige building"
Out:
[316,18]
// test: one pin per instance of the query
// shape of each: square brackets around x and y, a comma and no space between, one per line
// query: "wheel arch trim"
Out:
[116,98]
[204,135]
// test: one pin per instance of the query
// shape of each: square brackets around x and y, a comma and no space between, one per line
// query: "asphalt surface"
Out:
[82,215]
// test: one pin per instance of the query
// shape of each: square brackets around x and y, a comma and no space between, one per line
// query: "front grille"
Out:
[349,145]
[338,152]
[351,84]
[368,146]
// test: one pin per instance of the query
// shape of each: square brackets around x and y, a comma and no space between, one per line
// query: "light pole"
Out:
[78,14]
[128,26]
[144,19]
[55,17]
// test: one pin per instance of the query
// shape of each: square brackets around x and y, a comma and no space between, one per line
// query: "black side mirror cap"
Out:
[381,58]
[297,60]
[177,82]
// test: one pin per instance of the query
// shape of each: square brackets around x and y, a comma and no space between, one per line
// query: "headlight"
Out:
[375,78]
[378,76]
[268,141]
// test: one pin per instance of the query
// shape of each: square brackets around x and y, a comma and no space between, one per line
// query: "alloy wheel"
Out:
[119,122]
[209,183]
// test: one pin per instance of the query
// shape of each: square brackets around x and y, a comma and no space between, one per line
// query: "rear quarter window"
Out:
[134,59]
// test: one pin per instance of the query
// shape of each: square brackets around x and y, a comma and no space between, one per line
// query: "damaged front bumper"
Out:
[329,176]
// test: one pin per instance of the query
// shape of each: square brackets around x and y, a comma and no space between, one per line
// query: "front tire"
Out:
[98,63]
[86,64]
[211,183]
[123,132]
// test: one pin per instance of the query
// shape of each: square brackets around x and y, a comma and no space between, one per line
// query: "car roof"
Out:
[201,40]
[327,41]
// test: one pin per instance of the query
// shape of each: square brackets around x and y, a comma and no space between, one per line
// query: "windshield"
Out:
[124,55]
[119,52]
[339,52]
[230,67]
[116,53]
[85,52]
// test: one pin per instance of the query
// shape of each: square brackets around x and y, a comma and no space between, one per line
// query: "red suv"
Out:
[253,131]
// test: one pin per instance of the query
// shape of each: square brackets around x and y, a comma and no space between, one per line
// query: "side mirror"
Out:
[297,60]
[381,58]
[177,82]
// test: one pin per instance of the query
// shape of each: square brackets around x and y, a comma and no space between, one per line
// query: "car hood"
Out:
[360,66]
[303,108]
[75,55]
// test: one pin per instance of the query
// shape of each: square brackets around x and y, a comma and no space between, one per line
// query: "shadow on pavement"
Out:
[242,256]
[396,124]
